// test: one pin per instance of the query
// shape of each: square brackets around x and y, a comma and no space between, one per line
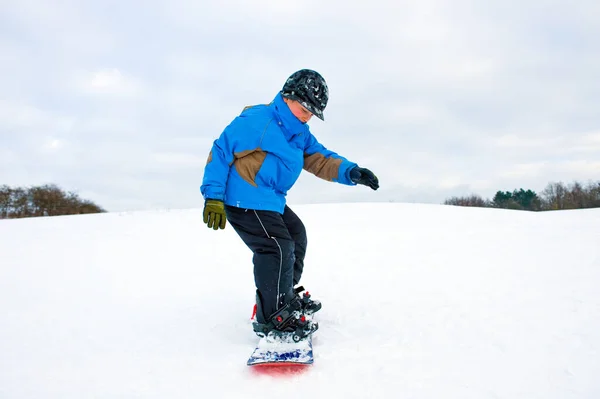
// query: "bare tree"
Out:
[554,196]
[557,196]
[47,200]
[473,200]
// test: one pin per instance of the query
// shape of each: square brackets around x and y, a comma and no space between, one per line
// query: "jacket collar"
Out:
[290,123]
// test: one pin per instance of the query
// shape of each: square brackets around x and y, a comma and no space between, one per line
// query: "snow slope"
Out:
[419,301]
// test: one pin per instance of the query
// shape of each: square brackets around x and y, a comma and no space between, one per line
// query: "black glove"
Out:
[364,176]
[214,214]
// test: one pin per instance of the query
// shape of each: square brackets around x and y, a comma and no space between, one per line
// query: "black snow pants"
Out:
[278,242]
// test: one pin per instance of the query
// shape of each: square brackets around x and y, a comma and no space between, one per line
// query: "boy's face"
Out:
[298,110]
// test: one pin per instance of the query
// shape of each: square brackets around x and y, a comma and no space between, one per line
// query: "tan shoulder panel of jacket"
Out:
[320,166]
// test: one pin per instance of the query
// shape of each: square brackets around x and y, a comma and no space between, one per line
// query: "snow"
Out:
[419,301]
[277,348]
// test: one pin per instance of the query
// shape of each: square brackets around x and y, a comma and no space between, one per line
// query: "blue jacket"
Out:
[260,155]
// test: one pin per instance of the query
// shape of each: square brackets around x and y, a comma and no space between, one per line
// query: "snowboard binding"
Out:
[309,306]
[289,322]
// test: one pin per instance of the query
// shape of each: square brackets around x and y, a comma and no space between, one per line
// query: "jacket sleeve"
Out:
[219,161]
[326,164]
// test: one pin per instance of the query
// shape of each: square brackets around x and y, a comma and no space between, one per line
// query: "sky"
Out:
[121,101]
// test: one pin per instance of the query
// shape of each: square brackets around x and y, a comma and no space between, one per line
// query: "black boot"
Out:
[289,322]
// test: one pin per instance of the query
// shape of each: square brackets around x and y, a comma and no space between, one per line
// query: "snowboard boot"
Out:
[289,322]
[309,306]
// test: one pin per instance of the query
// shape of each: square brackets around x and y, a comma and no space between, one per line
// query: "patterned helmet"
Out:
[309,89]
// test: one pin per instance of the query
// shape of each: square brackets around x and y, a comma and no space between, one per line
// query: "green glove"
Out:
[214,214]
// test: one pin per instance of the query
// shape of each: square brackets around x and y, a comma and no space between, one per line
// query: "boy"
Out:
[250,169]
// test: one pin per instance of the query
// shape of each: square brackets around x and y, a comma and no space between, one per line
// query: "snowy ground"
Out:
[419,301]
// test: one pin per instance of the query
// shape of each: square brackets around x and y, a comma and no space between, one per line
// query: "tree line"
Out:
[556,196]
[46,200]
[50,200]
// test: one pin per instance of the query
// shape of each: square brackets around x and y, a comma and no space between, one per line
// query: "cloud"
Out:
[513,141]
[109,81]
[24,116]
[589,169]
[524,170]
[589,142]
[180,160]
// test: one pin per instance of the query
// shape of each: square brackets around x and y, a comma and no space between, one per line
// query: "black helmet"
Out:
[309,89]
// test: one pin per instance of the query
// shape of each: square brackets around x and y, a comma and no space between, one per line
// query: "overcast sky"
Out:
[121,101]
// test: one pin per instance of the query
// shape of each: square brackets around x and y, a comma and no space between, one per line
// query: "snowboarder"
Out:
[249,171]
